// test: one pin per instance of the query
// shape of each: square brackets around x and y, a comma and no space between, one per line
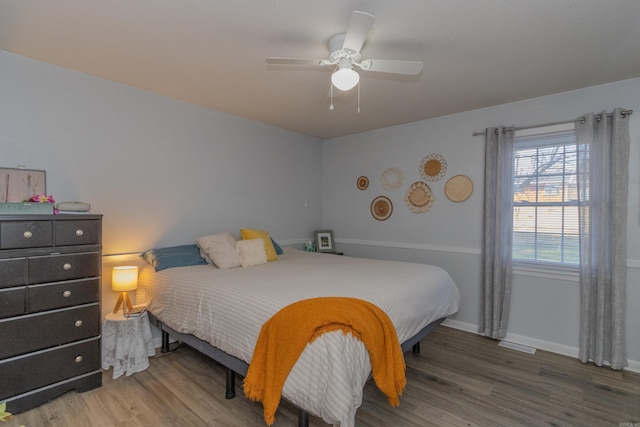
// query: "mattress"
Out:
[227,308]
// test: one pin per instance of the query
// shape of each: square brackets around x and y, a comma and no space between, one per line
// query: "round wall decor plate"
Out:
[392,179]
[433,167]
[381,208]
[458,188]
[418,197]
[362,183]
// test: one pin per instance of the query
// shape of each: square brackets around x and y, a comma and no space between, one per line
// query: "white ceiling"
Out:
[212,52]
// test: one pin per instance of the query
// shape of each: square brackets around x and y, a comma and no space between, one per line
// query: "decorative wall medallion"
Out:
[392,179]
[381,208]
[419,197]
[433,167]
[458,188]
[362,183]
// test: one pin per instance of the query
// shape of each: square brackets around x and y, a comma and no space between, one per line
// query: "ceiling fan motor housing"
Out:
[337,52]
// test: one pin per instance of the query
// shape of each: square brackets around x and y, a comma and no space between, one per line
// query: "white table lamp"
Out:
[123,280]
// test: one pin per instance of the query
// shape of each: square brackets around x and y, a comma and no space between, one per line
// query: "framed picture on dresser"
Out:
[19,185]
[324,241]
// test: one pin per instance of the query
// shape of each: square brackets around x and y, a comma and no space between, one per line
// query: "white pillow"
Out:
[220,249]
[251,252]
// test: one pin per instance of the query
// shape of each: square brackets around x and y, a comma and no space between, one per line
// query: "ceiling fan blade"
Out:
[411,68]
[295,61]
[359,27]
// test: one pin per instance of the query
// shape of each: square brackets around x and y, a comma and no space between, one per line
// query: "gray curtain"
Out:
[603,178]
[498,216]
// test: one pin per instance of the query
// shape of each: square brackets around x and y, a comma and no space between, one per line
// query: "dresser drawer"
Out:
[62,294]
[80,232]
[12,302]
[22,374]
[39,331]
[13,271]
[26,234]
[53,268]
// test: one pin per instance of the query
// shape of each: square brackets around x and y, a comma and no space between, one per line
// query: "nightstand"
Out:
[127,344]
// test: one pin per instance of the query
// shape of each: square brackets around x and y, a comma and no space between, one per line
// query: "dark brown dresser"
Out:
[49,307]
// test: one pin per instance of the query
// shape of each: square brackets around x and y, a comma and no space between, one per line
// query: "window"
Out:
[545,197]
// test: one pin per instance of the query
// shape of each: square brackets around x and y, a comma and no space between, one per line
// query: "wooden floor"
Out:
[459,379]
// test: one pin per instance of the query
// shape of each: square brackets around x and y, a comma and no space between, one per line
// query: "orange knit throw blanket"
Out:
[283,338]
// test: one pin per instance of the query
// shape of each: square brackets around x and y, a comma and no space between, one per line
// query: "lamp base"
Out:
[123,300]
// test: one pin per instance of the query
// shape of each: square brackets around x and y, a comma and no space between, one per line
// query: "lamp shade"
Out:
[124,278]
[345,78]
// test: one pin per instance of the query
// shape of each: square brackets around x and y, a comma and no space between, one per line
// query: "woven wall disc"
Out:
[381,208]
[458,188]
[392,179]
[362,183]
[433,167]
[418,197]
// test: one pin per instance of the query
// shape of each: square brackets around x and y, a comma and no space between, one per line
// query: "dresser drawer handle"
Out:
[67,266]
[66,294]
[27,234]
[78,323]
[78,359]
[79,233]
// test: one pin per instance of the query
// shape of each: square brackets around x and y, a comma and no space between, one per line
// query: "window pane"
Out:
[524,233]
[571,190]
[550,227]
[550,247]
[551,189]
[571,236]
[550,219]
[551,160]
[570,160]
[525,190]
[525,162]
[524,219]
[545,212]
[524,246]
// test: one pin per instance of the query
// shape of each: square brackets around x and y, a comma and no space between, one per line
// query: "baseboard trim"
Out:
[565,350]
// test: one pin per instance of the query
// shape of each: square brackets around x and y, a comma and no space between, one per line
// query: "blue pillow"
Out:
[276,247]
[174,256]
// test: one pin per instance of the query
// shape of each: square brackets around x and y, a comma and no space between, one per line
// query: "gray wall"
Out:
[545,308]
[162,172]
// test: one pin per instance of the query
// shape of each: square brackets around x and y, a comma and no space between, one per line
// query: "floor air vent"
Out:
[519,347]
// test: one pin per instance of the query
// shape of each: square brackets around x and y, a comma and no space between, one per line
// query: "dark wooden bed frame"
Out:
[233,365]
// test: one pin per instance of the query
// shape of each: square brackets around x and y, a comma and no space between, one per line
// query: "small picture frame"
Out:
[324,241]
[19,185]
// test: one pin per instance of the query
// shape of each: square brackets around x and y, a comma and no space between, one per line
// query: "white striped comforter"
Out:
[227,308]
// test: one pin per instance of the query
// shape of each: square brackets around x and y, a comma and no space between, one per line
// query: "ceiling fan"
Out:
[344,54]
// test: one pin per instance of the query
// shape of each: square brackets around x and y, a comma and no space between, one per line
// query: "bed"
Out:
[220,313]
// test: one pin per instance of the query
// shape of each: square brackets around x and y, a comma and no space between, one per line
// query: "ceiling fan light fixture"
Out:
[345,78]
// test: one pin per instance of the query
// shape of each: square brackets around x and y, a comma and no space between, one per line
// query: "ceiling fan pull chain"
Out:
[358,97]
[331,92]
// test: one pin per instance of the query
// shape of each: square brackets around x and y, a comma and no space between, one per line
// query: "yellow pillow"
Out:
[248,234]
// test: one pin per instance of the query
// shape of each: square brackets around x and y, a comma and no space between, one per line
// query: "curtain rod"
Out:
[597,117]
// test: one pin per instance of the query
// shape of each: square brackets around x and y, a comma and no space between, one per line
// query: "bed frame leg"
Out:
[231,384]
[303,418]
[416,348]
[165,342]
